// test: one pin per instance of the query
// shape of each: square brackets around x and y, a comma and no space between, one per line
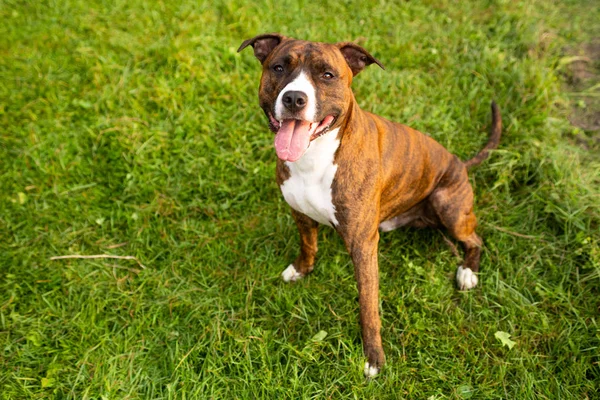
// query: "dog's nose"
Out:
[294,100]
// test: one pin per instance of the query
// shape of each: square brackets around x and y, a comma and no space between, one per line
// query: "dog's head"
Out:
[305,87]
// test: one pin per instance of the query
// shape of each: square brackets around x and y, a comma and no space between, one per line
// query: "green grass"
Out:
[137,124]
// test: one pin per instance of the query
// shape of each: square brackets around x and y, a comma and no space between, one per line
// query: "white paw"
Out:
[290,274]
[370,372]
[465,278]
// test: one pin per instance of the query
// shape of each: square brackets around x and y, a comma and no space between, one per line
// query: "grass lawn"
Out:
[132,128]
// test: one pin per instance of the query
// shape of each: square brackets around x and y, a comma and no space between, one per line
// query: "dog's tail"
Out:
[492,142]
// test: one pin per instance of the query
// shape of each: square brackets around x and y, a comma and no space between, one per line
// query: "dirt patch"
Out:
[583,68]
[582,77]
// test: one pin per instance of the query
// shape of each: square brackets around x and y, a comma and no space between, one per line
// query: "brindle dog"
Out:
[355,171]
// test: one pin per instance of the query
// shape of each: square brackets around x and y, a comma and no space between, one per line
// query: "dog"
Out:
[355,171]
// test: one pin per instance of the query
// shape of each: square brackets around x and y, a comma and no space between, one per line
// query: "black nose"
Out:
[294,100]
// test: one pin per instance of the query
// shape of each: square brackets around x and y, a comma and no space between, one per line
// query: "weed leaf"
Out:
[319,336]
[504,337]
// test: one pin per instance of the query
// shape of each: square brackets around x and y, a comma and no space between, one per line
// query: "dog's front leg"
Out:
[305,261]
[363,250]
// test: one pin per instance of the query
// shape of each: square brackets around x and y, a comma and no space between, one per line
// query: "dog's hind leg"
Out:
[305,261]
[454,207]
[466,277]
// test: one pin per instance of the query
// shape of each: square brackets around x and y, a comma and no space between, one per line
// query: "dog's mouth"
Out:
[293,136]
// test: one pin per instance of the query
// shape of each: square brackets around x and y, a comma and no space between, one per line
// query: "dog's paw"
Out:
[370,372]
[465,278]
[290,274]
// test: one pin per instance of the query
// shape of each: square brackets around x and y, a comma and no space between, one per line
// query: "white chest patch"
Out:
[308,189]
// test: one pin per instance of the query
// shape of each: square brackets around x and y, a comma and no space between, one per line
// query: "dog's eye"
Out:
[327,75]
[278,68]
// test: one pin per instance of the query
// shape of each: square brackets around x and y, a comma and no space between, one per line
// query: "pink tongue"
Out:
[292,139]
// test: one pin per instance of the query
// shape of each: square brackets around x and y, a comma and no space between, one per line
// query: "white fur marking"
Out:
[389,225]
[465,278]
[303,84]
[290,274]
[370,372]
[308,189]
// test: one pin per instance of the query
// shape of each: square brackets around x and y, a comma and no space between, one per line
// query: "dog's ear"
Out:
[263,44]
[357,57]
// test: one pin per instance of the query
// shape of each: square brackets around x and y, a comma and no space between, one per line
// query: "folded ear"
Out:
[357,57]
[263,44]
